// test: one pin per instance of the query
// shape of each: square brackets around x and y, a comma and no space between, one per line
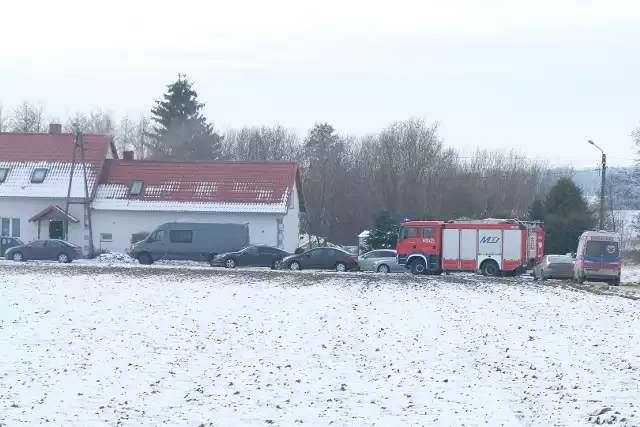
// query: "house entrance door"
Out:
[56,230]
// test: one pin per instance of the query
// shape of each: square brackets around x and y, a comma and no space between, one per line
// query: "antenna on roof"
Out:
[78,146]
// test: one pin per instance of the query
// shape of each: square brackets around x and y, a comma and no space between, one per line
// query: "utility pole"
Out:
[602,183]
[78,148]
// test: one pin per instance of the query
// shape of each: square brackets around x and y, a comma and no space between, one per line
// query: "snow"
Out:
[116,197]
[87,346]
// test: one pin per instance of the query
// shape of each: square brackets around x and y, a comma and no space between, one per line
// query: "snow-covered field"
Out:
[87,346]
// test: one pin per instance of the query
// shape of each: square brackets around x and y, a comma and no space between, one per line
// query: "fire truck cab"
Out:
[491,246]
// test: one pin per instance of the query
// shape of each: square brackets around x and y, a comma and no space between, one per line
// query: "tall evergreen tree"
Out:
[385,232]
[566,216]
[180,131]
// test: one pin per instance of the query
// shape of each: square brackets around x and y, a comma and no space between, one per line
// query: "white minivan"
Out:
[598,258]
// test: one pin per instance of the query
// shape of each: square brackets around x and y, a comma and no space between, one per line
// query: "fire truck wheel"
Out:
[490,269]
[418,267]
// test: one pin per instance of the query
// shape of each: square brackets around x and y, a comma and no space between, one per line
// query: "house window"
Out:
[180,236]
[136,188]
[38,175]
[15,227]
[106,237]
[5,227]
[280,233]
[3,174]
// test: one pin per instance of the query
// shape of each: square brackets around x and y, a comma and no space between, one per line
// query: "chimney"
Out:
[127,155]
[55,128]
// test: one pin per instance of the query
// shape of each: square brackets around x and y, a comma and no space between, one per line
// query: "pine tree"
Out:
[180,131]
[566,215]
[385,232]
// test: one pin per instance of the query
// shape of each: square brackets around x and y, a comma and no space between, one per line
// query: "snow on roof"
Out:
[22,153]
[56,182]
[198,186]
[364,234]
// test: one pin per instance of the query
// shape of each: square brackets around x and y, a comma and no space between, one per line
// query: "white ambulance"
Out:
[598,258]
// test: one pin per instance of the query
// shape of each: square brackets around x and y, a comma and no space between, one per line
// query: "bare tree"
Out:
[28,118]
[126,135]
[3,119]
[98,121]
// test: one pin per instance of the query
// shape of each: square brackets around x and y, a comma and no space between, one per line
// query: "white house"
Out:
[130,196]
[137,196]
[35,170]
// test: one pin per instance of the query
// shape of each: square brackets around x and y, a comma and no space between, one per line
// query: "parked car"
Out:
[388,265]
[183,241]
[7,243]
[322,259]
[251,256]
[554,267]
[366,261]
[45,250]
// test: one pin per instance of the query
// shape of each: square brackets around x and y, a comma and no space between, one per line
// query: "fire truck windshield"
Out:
[409,232]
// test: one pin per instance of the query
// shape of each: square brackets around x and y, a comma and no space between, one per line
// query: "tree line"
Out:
[402,171]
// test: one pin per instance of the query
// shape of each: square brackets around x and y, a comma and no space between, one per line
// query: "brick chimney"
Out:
[127,155]
[55,128]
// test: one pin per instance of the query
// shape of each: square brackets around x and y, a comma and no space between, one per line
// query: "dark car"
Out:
[554,267]
[8,243]
[251,256]
[322,259]
[45,250]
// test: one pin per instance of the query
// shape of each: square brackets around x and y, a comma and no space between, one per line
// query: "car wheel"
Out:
[17,257]
[341,267]
[418,267]
[230,263]
[145,259]
[490,269]
[295,265]
[277,264]
[383,268]
[63,258]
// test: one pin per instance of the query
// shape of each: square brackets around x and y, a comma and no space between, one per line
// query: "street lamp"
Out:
[604,169]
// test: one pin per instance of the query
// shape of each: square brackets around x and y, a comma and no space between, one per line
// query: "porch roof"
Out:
[53,212]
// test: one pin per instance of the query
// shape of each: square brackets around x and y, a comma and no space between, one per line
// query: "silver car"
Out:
[366,261]
[554,267]
[389,265]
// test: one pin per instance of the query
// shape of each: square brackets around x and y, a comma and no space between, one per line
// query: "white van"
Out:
[598,258]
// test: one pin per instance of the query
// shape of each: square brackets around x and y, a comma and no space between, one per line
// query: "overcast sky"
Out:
[541,77]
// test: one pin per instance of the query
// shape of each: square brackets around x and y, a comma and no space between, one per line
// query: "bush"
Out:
[97,253]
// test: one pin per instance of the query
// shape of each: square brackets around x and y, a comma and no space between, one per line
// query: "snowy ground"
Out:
[88,346]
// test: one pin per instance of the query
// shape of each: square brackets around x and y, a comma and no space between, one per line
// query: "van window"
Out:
[602,249]
[158,236]
[409,232]
[180,236]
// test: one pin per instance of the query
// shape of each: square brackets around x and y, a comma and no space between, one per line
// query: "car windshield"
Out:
[602,249]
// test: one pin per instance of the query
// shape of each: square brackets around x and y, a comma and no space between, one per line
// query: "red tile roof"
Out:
[54,148]
[230,183]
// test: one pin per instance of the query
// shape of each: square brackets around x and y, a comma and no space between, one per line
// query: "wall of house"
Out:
[23,209]
[263,228]
[291,223]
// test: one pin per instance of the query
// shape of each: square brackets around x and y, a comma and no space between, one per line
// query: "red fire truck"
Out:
[492,246]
